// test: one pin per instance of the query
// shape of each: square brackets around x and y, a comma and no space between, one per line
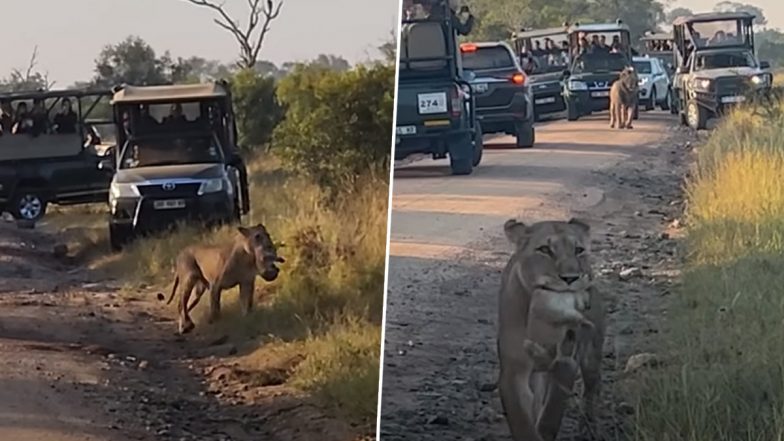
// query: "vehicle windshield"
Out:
[487,58]
[721,60]
[643,67]
[168,150]
[599,62]
[717,33]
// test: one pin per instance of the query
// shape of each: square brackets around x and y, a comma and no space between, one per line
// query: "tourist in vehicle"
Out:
[6,117]
[537,51]
[718,38]
[65,120]
[176,118]
[603,46]
[23,123]
[40,118]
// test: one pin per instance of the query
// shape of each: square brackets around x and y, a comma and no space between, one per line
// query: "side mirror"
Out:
[764,64]
[470,76]
[106,165]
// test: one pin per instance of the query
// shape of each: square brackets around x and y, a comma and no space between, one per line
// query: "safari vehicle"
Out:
[504,103]
[654,82]
[593,71]
[546,72]
[658,45]
[177,160]
[716,66]
[436,114]
[46,163]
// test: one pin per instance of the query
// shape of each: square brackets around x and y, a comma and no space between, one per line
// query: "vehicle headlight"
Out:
[759,80]
[121,190]
[211,186]
[702,83]
[643,81]
[577,85]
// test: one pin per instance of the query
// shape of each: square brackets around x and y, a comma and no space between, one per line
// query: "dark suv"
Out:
[504,102]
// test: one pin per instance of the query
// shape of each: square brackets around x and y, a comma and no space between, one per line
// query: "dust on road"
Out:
[447,253]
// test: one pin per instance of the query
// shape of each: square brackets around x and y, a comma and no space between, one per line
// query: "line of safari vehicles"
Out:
[451,94]
[159,155]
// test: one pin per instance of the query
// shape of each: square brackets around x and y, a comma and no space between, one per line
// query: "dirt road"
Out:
[83,360]
[447,252]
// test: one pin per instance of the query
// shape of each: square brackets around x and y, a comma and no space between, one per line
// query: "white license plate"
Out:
[480,87]
[169,204]
[547,100]
[430,103]
[406,130]
[733,99]
[601,94]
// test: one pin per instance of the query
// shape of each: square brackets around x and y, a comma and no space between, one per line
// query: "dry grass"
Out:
[725,378]
[327,302]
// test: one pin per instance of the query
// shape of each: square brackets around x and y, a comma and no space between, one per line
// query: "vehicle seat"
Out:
[424,40]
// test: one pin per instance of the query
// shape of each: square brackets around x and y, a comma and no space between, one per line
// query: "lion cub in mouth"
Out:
[550,326]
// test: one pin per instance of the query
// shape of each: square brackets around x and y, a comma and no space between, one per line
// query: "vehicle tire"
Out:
[463,164]
[119,237]
[696,116]
[478,145]
[28,204]
[572,113]
[651,104]
[665,104]
[526,135]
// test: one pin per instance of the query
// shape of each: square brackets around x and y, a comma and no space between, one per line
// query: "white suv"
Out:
[654,83]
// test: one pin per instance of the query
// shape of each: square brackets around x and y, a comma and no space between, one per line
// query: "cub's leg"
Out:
[560,383]
[591,369]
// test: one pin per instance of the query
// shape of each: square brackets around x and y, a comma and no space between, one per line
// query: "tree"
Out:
[674,13]
[730,6]
[332,62]
[28,79]
[131,61]
[388,49]
[256,106]
[338,124]
[260,16]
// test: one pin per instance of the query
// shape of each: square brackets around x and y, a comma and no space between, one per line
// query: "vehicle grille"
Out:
[599,85]
[725,86]
[179,190]
[547,88]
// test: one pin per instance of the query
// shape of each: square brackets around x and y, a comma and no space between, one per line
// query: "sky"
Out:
[70,33]
[772,8]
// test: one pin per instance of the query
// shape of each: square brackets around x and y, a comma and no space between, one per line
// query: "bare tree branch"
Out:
[260,15]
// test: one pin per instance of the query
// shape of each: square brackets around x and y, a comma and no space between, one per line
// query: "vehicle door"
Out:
[659,77]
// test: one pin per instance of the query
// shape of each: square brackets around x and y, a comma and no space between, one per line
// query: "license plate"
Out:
[480,88]
[406,130]
[169,204]
[430,103]
[601,94]
[733,99]
[547,100]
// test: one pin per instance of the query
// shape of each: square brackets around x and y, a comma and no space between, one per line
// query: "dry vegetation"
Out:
[322,317]
[723,377]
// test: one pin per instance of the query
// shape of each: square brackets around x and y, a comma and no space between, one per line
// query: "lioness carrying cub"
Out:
[223,267]
[551,326]
[623,99]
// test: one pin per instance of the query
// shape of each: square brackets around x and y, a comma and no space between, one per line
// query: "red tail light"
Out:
[518,78]
[467,47]
[457,101]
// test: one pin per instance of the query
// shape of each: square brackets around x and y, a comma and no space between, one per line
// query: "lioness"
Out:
[551,326]
[218,268]
[623,99]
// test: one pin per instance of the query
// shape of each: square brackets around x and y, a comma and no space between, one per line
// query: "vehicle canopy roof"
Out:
[171,93]
[713,16]
[47,94]
[537,33]
[618,26]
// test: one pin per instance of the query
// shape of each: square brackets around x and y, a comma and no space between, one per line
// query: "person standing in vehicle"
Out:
[65,119]
[434,10]
[23,123]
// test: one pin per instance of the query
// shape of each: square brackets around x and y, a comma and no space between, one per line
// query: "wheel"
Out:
[572,113]
[28,204]
[478,145]
[119,237]
[526,135]
[651,104]
[696,117]
[463,162]
[665,104]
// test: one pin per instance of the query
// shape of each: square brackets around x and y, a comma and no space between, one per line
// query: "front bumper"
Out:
[140,215]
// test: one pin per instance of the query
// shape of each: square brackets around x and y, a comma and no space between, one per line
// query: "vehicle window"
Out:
[486,58]
[171,151]
[723,60]
[643,67]
[610,62]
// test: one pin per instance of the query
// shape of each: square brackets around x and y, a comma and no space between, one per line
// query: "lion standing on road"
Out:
[551,326]
[623,99]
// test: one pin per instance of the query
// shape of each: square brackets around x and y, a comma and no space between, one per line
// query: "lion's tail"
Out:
[174,289]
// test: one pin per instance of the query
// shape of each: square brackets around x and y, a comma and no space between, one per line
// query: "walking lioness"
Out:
[551,326]
[223,267]
[623,99]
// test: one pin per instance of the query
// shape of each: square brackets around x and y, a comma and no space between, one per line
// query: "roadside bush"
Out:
[338,124]
[257,108]
[723,380]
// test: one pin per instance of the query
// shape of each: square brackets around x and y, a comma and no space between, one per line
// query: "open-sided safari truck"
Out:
[659,45]
[592,71]
[177,160]
[49,155]
[544,54]
[716,66]
[435,105]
